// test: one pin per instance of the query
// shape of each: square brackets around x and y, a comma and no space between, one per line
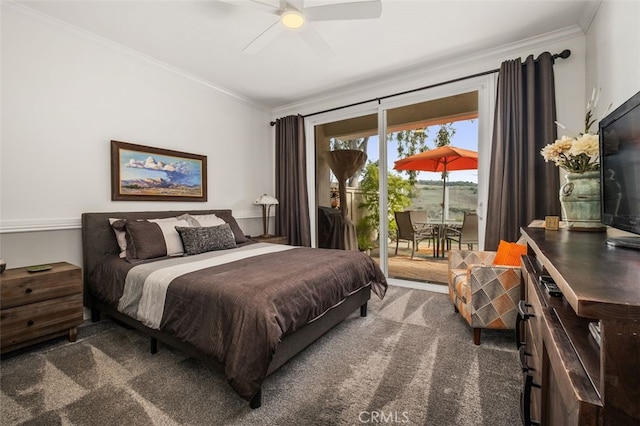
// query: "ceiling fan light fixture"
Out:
[292,19]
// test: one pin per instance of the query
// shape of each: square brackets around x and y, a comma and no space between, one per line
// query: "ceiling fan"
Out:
[293,15]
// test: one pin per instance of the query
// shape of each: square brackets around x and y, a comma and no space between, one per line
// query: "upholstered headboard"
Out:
[99,240]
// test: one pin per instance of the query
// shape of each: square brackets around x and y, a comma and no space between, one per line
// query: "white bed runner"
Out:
[145,287]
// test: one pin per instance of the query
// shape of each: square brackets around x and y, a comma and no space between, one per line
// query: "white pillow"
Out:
[171,236]
[207,220]
[121,237]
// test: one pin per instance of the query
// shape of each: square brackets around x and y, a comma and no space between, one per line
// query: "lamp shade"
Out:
[266,200]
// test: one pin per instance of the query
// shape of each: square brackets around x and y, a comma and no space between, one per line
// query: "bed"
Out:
[244,310]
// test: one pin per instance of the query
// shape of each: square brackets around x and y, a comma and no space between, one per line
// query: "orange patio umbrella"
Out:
[444,159]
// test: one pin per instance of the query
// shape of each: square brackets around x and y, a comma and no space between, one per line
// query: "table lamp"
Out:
[266,201]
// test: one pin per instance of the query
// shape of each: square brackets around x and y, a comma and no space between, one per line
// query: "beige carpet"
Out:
[412,360]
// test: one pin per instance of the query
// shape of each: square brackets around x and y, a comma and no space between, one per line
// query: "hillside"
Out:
[463,196]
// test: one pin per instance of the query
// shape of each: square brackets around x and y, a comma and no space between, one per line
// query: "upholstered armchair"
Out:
[486,295]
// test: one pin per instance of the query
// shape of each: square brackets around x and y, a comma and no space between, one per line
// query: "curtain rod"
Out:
[562,55]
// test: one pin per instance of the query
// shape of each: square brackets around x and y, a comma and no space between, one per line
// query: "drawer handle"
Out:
[522,310]
[525,401]
[519,341]
[29,323]
[28,290]
[522,316]
[523,363]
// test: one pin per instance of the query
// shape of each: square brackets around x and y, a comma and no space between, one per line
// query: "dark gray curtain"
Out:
[292,215]
[522,186]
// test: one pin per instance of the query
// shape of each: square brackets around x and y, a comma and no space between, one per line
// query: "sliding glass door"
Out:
[457,115]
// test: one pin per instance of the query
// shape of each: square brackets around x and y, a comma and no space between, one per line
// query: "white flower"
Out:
[577,155]
[585,144]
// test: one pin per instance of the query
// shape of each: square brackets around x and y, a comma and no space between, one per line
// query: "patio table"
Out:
[441,228]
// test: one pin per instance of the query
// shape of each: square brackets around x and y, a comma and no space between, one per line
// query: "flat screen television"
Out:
[620,171]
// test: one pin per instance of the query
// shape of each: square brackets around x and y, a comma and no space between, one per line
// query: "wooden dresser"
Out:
[568,379]
[37,306]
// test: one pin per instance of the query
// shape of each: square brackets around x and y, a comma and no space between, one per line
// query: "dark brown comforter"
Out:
[239,311]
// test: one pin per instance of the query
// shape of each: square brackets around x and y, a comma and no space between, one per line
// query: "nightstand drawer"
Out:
[20,287]
[28,322]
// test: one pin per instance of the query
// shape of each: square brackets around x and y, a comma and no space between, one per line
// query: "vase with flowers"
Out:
[579,156]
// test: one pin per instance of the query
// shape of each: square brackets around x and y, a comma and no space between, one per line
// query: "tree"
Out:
[397,195]
[410,142]
[359,144]
[444,135]
[443,138]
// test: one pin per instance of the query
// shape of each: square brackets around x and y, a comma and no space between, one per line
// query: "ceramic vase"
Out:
[580,201]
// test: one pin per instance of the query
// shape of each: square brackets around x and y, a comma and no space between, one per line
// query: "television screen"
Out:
[620,166]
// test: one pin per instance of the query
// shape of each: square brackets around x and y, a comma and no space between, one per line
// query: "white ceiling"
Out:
[205,38]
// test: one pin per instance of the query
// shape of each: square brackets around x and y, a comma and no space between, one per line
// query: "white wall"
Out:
[613,52]
[613,57]
[66,94]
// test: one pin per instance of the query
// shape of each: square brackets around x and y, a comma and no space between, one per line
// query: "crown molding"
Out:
[131,52]
[588,14]
[394,80]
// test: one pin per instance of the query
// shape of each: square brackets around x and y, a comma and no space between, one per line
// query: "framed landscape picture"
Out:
[144,173]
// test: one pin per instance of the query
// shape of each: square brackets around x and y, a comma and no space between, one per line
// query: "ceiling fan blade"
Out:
[316,42]
[296,4]
[369,9]
[263,39]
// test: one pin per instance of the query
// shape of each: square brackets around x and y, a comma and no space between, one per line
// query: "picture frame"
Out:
[145,173]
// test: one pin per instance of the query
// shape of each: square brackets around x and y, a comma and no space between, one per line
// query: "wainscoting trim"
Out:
[59,224]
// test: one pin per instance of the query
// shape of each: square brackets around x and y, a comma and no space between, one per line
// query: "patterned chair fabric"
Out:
[485,295]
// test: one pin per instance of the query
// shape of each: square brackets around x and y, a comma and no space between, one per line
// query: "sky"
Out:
[466,137]
[143,165]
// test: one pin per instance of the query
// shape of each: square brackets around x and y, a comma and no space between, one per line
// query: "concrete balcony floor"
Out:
[422,268]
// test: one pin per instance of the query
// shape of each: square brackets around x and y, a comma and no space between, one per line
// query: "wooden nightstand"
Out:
[273,239]
[38,306]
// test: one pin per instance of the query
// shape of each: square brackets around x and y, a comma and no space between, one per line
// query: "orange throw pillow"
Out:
[509,253]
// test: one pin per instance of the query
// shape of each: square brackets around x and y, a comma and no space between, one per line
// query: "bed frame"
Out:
[98,242]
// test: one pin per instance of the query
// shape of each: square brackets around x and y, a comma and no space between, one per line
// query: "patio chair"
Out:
[467,234]
[419,220]
[406,230]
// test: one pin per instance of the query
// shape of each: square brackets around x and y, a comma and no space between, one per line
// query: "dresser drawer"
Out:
[20,287]
[569,396]
[28,322]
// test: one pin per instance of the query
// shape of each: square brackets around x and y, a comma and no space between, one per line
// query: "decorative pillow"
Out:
[206,238]
[509,253]
[202,220]
[217,219]
[235,228]
[118,226]
[151,238]
[171,237]
[144,240]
